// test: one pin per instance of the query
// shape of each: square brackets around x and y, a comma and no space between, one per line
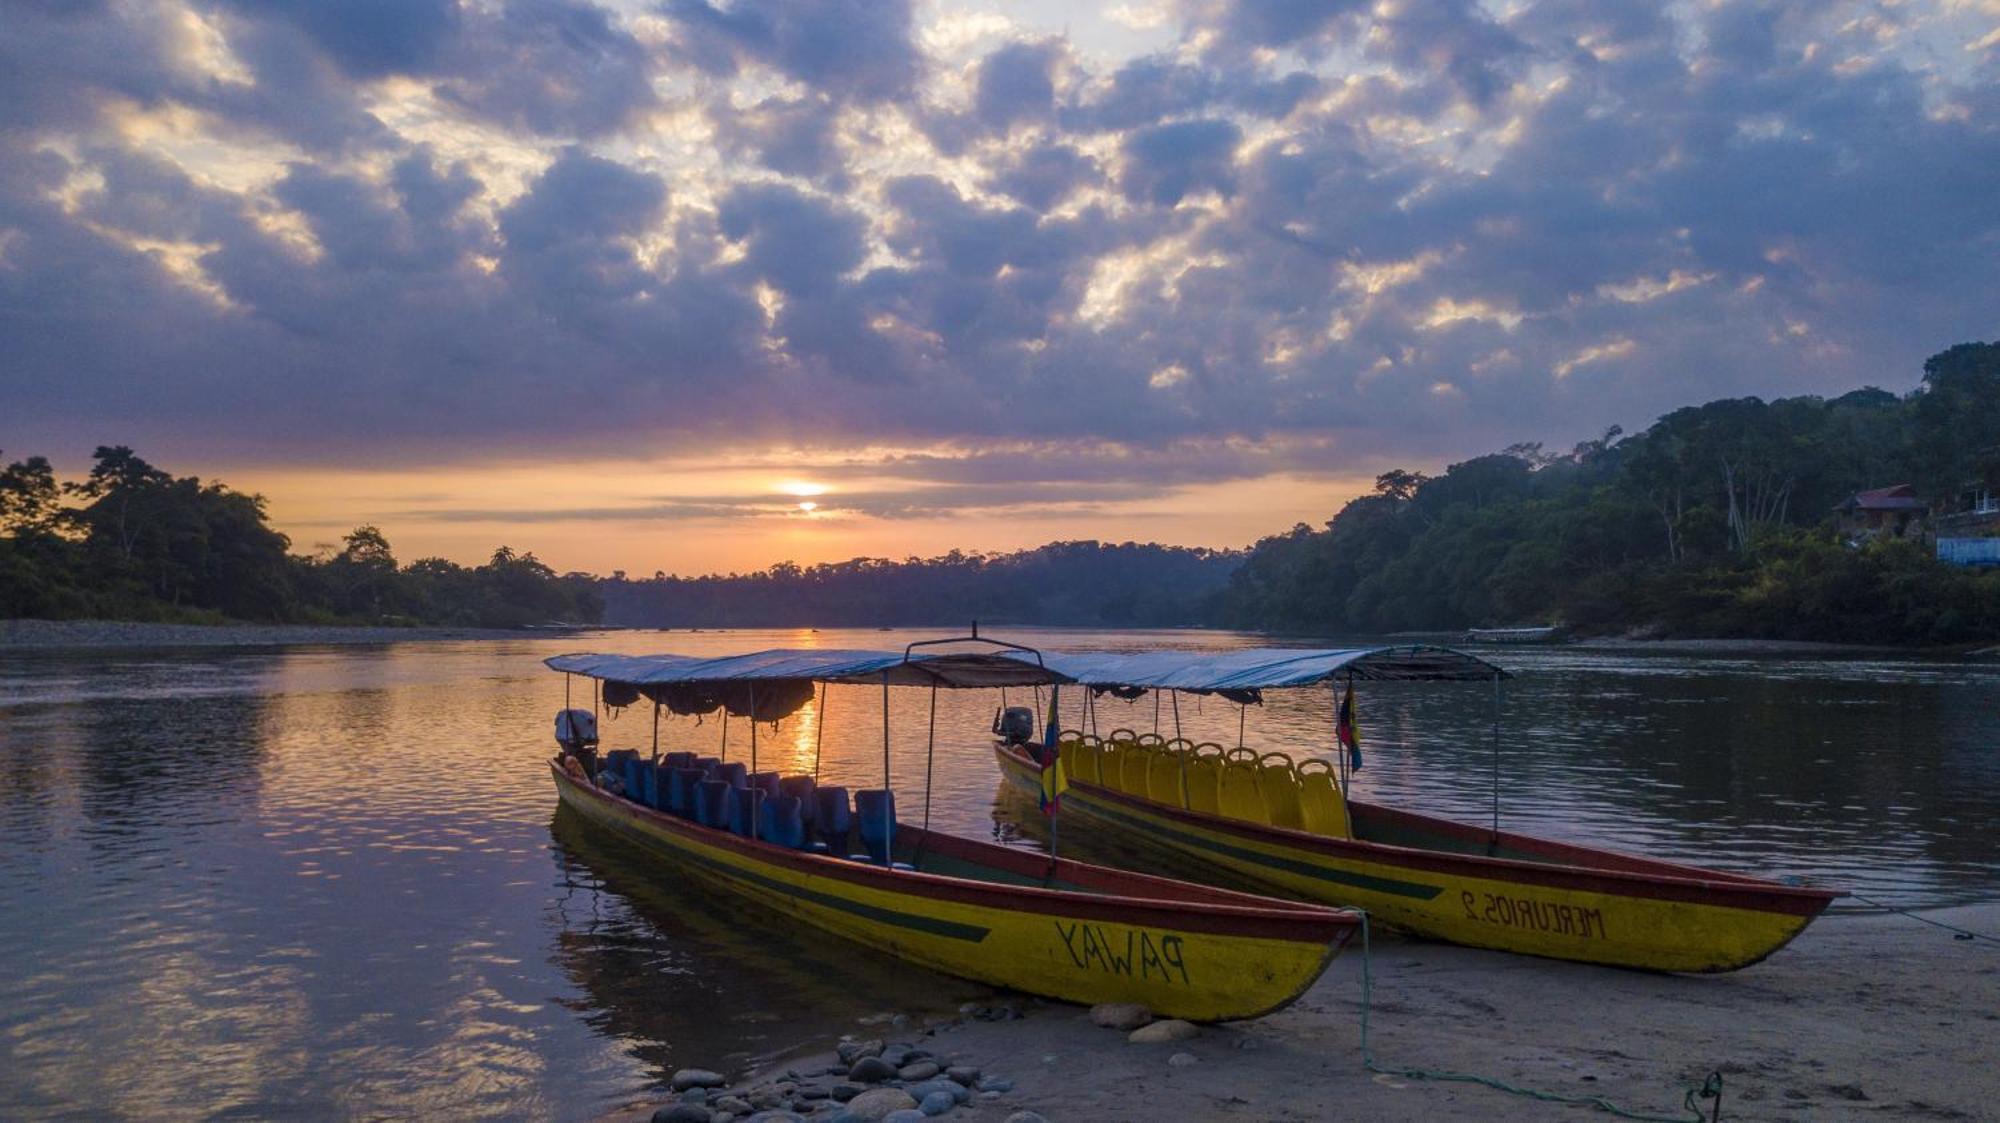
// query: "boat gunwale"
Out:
[1268,918]
[1674,882]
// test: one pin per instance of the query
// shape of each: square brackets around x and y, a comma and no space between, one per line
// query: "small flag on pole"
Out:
[1055,780]
[1348,732]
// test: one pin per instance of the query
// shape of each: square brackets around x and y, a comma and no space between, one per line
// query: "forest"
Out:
[1717,521]
[132,542]
[1084,584]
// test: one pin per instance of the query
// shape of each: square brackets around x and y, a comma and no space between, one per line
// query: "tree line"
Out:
[1085,583]
[132,542]
[1717,521]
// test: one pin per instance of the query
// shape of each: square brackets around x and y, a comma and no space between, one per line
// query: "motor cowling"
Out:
[1015,725]
[576,729]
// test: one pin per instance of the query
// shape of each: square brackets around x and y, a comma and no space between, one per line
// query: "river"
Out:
[332,881]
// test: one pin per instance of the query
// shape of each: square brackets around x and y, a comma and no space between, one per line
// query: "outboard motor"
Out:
[576,732]
[1015,725]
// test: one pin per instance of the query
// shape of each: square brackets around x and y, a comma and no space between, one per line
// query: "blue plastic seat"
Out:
[781,824]
[766,782]
[708,765]
[831,818]
[633,771]
[749,807]
[649,783]
[678,760]
[875,822]
[735,773]
[714,803]
[801,789]
[679,796]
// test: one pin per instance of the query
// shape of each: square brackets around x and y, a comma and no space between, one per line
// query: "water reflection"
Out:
[323,882]
[687,974]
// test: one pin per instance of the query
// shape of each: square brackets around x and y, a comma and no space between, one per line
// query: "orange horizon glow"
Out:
[717,516]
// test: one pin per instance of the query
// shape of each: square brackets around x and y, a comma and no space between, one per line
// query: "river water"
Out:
[332,881]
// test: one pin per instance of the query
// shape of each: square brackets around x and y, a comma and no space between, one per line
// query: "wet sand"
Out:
[1864,1016]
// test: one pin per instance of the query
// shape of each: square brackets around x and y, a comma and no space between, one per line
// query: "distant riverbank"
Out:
[27,634]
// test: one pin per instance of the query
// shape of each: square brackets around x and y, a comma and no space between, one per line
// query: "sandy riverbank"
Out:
[51,634]
[1873,1016]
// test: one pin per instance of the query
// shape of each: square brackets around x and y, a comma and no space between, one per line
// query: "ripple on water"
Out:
[331,882]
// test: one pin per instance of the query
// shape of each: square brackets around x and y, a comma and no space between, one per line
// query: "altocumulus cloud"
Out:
[1276,236]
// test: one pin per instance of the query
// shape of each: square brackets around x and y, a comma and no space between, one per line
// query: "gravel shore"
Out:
[1862,1017]
[49,634]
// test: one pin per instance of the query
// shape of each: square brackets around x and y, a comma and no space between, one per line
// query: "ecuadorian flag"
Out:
[1055,780]
[1348,732]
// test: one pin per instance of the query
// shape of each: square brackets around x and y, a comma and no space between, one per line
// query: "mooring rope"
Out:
[1711,1089]
[1957,932]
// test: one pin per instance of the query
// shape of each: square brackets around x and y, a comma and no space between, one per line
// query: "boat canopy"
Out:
[1263,668]
[1269,668]
[901,668]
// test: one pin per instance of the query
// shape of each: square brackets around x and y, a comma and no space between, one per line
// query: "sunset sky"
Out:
[688,286]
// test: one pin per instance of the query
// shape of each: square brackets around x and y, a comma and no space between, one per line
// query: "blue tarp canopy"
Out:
[1262,668]
[953,669]
[1269,668]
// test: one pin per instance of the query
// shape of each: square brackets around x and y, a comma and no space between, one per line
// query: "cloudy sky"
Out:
[694,284]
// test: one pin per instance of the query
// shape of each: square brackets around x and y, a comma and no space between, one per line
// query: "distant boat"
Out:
[1261,821]
[1013,918]
[1548,634]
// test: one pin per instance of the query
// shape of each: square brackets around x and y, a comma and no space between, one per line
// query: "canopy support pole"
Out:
[753,737]
[889,847]
[819,731]
[930,758]
[1185,804]
[725,731]
[1496,764]
[1156,712]
[566,677]
[656,733]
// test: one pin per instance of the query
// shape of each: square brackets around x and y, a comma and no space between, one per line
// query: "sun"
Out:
[808,506]
[802,488]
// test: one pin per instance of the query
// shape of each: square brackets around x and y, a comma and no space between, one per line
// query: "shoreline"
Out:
[55,635]
[1863,1016]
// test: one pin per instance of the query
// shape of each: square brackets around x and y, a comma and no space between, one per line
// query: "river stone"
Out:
[958,1092]
[921,1070]
[989,1095]
[812,1092]
[937,1103]
[871,1070]
[1025,1117]
[765,1099]
[878,1102]
[1120,1015]
[734,1105]
[697,1078]
[907,1115]
[851,1051]
[1183,1060]
[682,1113]
[1173,1029]
[996,1084]
[967,1075]
[845,1092]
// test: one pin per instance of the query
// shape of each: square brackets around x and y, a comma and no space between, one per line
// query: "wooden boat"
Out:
[1542,634]
[1260,820]
[1012,918]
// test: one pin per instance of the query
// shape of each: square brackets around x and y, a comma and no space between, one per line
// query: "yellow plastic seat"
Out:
[1132,771]
[1111,763]
[1088,752]
[1278,781]
[1164,777]
[1151,740]
[1320,802]
[1204,774]
[1237,794]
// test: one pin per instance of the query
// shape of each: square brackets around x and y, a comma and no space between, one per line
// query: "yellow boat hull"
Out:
[1104,935]
[1546,899]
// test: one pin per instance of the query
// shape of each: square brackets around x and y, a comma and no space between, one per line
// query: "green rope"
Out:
[1711,1088]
